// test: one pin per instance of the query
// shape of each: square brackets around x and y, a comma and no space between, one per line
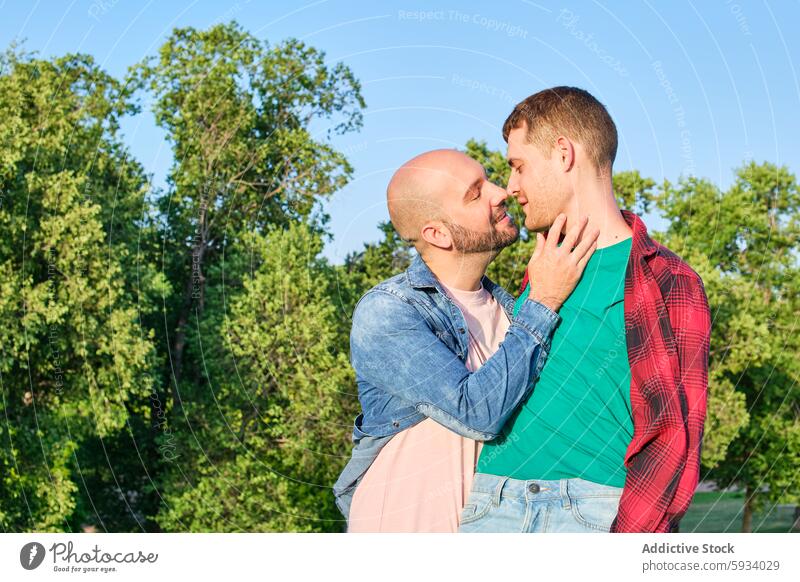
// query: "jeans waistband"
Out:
[563,490]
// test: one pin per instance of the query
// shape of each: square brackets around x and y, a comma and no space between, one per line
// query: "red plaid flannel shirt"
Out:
[667,327]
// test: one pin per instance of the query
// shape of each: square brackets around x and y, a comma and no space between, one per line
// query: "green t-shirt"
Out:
[577,422]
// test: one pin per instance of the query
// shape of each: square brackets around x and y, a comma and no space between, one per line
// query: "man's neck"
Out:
[459,271]
[595,198]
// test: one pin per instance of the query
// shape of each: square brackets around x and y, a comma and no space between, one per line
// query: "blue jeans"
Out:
[502,504]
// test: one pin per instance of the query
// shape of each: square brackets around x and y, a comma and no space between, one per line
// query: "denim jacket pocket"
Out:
[358,433]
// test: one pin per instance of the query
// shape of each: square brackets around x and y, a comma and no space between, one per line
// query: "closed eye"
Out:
[473,192]
[515,165]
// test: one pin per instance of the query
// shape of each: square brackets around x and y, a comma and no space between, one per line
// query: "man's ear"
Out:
[436,234]
[565,153]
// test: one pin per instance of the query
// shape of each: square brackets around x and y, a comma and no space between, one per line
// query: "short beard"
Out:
[468,241]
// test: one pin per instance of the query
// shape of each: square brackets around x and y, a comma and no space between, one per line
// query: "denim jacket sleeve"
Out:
[393,348]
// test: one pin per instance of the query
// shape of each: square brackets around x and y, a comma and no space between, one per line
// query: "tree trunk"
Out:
[796,522]
[179,345]
[195,289]
[747,518]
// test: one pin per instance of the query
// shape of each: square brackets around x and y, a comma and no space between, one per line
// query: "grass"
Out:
[719,512]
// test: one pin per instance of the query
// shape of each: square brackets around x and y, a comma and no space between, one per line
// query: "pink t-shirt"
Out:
[421,479]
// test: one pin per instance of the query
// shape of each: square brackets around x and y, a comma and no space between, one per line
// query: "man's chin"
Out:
[507,242]
[532,226]
[510,235]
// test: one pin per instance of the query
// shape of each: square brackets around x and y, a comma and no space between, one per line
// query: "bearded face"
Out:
[502,234]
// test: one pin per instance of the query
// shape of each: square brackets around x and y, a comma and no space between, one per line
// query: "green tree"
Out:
[74,363]
[633,192]
[277,431]
[249,125]
[239,115]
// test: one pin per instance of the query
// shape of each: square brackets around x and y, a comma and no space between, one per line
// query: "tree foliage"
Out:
[74,362]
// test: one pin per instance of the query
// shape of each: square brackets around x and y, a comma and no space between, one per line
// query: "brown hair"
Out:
[571,112]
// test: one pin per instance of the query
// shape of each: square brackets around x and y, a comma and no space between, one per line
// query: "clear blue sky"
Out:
[694,87]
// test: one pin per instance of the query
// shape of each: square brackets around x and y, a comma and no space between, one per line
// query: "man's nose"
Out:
[511,188]
[500,196]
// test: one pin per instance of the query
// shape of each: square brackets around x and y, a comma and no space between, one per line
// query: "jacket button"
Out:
[395,423]
[533,488]
[461,330]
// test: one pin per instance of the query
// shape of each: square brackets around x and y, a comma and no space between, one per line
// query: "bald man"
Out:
[441,362]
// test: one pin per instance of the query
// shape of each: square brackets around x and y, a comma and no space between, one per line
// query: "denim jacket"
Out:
[408,347]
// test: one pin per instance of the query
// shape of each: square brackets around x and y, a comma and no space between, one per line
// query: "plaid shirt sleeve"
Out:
[691,319]
[670,334]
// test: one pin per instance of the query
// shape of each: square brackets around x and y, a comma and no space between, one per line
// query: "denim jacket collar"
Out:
[420,276]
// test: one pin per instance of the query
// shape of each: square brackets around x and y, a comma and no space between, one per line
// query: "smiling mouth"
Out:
[503,217]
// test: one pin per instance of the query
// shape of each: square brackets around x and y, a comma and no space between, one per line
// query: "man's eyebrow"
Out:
[475,184]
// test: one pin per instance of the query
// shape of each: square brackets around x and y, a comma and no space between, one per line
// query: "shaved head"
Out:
[442,202]
[416,191]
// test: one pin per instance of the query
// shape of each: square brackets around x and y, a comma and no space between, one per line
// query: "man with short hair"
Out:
[440,361]
[610,438]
